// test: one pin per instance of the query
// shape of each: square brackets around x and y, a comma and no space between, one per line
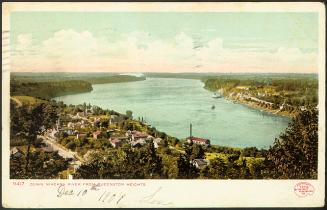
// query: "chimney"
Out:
[190,129]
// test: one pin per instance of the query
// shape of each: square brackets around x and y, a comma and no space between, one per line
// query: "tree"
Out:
[153,167]
[42,165]
[27,121]
[129,114]
[185,169]
[294,154]
[217,169]
[197,152]
[244,170]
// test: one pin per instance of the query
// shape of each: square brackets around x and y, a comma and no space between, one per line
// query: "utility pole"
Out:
[190,130]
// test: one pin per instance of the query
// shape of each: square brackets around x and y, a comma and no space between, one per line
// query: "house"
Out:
[198,140]
[70,125]
[149,138]
[115,142]
[54,133]
[98,134]
[67,130]
[96,121]
[80,135]
[16,152]
[261,94]
[81,114]
[136,144]
[200,163]
[137,135]
[156,142]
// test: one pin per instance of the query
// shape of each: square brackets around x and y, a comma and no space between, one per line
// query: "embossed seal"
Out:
[303,189]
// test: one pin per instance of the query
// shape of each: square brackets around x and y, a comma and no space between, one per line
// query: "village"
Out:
[78,134]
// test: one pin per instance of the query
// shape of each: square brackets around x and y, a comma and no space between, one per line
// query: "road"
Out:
[17,101]
[62,151]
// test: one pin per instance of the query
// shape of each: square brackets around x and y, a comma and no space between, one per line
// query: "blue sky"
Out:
[165,41]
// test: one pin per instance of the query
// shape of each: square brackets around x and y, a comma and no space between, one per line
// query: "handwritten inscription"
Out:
[106,196]
[109,197]
[63,192]
[153,199]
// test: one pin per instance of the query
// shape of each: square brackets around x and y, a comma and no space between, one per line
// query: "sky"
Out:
[164,42]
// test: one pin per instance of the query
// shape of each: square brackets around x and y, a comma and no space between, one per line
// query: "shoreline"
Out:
[253,105]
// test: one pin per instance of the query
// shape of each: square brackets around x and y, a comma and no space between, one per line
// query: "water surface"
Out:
[171,105]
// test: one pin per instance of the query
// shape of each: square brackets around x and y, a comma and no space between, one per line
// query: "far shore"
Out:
[254,105]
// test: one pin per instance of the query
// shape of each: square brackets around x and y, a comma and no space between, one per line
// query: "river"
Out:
[171,105]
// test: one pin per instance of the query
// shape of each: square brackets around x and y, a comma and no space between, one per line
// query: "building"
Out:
[54,133]
[115,142]
[157,142]
[16,152]
[137,144]
[200,163]
[137,135]
[198,140]
[98,134]
[81,114]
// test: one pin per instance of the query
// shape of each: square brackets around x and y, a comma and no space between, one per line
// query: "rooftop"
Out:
[192,138]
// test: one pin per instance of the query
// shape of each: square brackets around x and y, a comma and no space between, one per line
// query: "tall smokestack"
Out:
[190,129]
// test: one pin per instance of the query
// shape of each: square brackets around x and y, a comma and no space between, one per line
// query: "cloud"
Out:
[69,50]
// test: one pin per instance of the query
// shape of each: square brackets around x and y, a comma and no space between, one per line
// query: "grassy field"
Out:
[28,100]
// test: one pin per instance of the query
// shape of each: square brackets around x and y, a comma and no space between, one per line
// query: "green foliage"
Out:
[129,114]
[42,166]
[185,169]
[197,152]
[123,163]
[216,170]
[48,90]
[294,154]
[295,91]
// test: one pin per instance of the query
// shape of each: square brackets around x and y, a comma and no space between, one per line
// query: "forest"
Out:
[294,92]
[47,86]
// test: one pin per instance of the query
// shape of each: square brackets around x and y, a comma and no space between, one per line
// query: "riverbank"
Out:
[256,106]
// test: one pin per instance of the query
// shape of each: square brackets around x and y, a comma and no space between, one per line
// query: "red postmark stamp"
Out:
[303,189]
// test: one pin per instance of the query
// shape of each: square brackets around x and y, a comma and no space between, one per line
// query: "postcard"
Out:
[163,105]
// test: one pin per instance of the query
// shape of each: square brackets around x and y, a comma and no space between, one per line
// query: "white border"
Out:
[182,193]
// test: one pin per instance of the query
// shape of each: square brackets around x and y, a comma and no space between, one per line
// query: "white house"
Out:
[200,163]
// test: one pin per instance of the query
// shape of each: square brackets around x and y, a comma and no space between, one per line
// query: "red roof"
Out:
[96,132]
[198,139]
[115,140]
[139,134]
